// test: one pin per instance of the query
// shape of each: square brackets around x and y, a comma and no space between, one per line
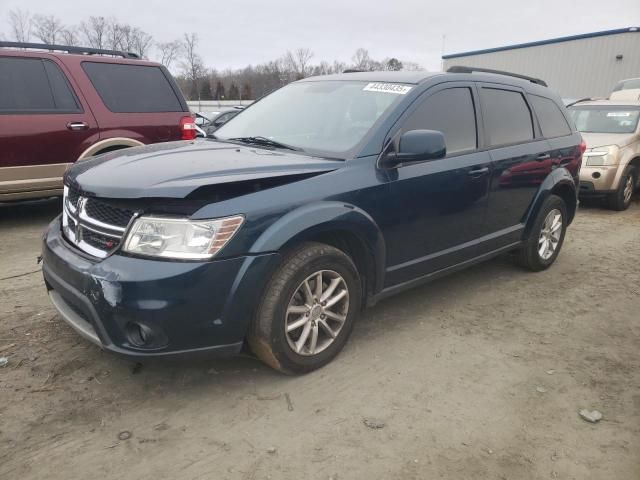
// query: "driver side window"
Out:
[451,112]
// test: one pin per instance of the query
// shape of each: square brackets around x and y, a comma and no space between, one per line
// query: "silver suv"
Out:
[611,164]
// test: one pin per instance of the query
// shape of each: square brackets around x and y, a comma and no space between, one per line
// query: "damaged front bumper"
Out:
[147,308]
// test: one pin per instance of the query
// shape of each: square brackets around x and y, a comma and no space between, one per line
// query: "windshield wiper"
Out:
[259,140]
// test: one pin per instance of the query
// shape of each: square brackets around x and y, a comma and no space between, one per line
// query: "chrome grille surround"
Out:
[85,232]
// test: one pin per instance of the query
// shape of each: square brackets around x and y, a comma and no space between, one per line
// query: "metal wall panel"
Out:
[575,69]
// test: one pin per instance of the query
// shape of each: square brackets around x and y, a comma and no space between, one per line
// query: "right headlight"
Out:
[180,238]
[602,156]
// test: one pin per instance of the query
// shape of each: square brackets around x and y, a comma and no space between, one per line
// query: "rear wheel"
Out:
[547,236]
[621,198]
[308,309]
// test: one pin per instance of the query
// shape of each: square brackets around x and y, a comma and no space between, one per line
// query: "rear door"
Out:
[439,206]
[521,159]
[141,102]
[44,127]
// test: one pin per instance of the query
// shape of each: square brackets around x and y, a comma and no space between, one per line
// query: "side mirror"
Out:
[416,146]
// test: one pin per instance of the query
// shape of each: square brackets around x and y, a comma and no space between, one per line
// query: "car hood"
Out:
[176,169]
[595,140]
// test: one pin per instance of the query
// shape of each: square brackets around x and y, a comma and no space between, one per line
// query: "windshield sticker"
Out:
[618,114]
[387,88]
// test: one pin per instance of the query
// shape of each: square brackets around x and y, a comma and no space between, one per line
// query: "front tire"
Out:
[547,236]
[308,309]
[621,198]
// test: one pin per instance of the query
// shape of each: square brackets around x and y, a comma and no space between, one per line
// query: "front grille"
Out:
[105,213]
[73,197]
[93,225]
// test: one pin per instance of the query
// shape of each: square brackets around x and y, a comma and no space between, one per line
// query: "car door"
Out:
[520,157]
[438,206]
[43,125]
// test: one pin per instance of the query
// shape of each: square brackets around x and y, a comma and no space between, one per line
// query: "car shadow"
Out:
[30,211]
[374,323]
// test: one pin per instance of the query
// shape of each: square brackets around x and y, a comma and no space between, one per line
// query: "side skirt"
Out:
[389,291]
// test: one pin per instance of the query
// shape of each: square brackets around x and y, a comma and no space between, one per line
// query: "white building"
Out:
[578,66]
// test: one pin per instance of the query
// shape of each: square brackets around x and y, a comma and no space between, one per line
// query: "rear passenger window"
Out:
[132,88]
[507,118]
[451,112]
[33,85]
[552,121]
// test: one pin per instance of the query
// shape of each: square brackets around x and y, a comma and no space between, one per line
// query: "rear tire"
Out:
[300,326]
[621,198]
[547,236]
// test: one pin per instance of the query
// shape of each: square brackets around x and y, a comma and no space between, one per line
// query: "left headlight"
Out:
[181,238]
[602,156]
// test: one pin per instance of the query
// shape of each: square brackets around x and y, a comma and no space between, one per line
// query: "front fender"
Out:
[314,219]
[559,178]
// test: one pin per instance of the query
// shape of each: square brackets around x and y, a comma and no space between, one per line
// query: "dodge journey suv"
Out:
[59,104]
[320,199]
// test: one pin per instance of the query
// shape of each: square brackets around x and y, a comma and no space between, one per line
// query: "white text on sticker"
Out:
[618,114]
[387,88]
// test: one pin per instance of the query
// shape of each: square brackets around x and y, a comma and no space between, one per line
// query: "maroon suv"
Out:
[60,104]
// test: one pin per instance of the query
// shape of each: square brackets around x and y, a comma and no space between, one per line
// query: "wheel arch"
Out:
[340,225]
[559,183]
[109,144]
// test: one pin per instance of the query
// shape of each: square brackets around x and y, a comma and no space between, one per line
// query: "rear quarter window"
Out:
[133,88]
[507,118]
[552,121]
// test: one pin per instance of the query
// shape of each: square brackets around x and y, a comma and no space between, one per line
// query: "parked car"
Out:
[612,162]
[221,119]
[627,84]
[60,104]
[322,198]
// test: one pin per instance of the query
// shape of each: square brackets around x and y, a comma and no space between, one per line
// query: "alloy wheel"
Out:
[317,312]
[550,234]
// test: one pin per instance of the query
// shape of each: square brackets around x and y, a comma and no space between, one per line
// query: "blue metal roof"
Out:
[543,42]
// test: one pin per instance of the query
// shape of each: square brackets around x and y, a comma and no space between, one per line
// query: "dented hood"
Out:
[176,169]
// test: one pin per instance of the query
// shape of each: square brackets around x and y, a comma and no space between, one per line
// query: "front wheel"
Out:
[547,236]
[621,198]
[308,309]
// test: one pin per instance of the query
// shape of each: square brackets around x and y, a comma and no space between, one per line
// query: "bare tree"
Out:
[169,51]
[47,28]
[94,32]
[115,35]
[361,59]
[20,22]
[142,42]
[298,61]
[192,66]
[69,36]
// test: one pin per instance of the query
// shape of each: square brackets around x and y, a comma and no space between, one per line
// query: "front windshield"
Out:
[322,116]
[605,119]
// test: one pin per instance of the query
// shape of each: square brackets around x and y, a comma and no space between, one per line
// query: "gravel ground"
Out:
[479,375]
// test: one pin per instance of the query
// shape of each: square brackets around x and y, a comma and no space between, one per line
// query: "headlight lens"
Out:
[602,156]
[181,238]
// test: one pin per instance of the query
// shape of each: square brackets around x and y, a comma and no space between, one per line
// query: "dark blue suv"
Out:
[318,200]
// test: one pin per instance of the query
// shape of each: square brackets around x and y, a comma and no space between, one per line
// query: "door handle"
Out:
[76,126]
[478,172]
[543,156]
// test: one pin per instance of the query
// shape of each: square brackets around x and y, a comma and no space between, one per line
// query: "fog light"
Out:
[138,334]
[595,174]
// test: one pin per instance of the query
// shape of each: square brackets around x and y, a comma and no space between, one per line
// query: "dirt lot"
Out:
[480,375]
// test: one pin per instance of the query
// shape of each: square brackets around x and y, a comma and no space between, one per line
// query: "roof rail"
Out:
[353,70]
[69,49]
[585,99]
[461,69]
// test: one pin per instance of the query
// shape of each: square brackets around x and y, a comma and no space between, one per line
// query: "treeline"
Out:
[182,57]
[255,81]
